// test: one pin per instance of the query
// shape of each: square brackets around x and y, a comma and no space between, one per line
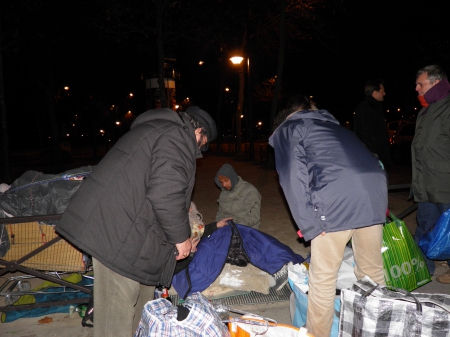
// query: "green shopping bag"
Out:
[404,266]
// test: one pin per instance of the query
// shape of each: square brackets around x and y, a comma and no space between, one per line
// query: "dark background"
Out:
[367,39]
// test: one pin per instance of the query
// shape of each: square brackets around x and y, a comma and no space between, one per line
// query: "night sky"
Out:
[371,39]
[390,40]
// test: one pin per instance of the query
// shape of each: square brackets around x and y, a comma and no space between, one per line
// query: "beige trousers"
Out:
[327,253]
[118,302]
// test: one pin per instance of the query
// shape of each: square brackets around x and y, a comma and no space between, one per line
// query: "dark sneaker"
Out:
[281,278]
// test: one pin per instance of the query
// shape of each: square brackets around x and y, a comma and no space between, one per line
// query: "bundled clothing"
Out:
[262,250]
[370,127]
[36,193]
[242,202]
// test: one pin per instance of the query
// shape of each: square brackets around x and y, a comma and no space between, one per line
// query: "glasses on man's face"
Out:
[202,141]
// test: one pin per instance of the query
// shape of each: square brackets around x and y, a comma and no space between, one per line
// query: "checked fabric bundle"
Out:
[371,310]
[159,319]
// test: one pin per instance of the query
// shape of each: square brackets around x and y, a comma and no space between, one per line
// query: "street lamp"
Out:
[237,60]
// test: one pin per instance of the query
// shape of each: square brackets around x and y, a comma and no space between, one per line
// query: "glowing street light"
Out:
[237,60]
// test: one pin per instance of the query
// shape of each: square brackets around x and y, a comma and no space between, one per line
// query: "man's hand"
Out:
[223,222]
[184,249]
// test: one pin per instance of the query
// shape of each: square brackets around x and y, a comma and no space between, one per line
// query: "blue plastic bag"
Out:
[301,307]
[436,243]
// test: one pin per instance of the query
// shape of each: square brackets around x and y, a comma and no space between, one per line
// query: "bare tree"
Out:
[282,50]
[5,175]
[138,27]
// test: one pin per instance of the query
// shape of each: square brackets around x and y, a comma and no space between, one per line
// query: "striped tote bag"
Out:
[404,266]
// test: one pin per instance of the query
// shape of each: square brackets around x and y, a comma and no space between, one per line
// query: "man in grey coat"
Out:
[336,190]
[430,153]
[131,213]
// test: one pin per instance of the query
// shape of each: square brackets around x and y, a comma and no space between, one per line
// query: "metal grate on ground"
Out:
[251,297]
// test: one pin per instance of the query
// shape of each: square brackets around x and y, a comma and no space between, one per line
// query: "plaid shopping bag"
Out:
[370,310]
[404,266]
[159,319]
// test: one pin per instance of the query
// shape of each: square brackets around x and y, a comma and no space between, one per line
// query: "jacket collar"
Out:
[372,101]
[438,92]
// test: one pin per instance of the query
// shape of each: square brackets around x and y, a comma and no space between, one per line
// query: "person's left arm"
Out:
[173,169]
[252,206]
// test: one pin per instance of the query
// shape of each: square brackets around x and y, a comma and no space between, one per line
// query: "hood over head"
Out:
[322,115]
[228,171]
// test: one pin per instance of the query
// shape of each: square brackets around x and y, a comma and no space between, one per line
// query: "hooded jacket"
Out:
[331,181]
[133,208]
[242,202]
[430,148]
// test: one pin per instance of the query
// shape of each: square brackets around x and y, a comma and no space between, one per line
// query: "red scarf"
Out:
[422,101]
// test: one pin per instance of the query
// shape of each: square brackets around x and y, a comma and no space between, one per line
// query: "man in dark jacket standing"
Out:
[336,191]
[131,214]
[430,153]
[369,122]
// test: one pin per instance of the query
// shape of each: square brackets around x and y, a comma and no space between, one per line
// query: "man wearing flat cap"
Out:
[131,213]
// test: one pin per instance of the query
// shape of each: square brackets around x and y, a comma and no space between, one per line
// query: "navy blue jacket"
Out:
[331,181]
[263,250]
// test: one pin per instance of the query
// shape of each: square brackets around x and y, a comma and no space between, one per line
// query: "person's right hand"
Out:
[223,222]
[184,249]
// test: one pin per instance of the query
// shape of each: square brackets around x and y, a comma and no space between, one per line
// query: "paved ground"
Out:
[276,221]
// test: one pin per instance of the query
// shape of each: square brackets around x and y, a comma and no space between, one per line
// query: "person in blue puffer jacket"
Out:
[336,190]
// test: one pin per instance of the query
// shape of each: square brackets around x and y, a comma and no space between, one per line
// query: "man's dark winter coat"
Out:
[370,126]
[133,208]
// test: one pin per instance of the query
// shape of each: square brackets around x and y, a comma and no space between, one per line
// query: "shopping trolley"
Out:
[37,251]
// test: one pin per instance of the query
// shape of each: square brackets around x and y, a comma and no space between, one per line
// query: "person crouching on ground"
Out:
[239,199]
